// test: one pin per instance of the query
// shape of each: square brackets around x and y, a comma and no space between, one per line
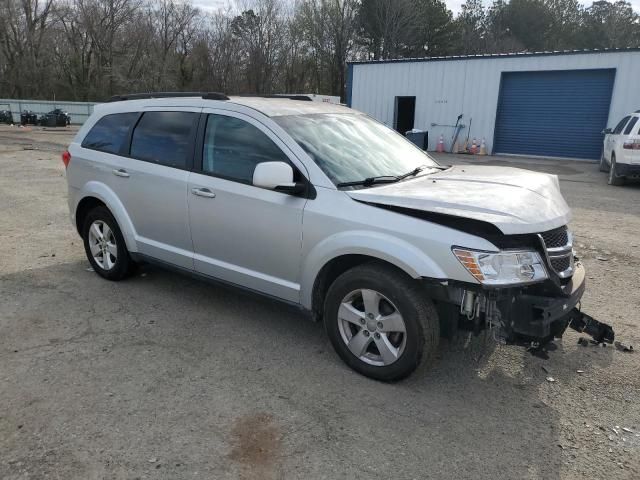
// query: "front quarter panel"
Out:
[336,225]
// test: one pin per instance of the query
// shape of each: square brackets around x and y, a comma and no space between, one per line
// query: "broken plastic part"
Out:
[583,323]
[623,348]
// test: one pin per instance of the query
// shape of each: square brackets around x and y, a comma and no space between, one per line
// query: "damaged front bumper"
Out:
[534,318]
[532,315]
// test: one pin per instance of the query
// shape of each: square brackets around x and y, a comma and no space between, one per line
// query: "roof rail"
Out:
[142,96]
[304,98]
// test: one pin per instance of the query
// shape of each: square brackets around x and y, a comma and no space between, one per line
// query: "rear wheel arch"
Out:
[84,207]
[96,194]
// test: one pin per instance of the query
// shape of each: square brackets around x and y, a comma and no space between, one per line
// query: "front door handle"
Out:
[203,192]
[121,173]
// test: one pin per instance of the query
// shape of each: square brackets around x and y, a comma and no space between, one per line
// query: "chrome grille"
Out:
[561,264]
[556,238]
[558,248]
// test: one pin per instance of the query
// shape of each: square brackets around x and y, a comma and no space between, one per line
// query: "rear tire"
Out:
[384,308]
[604,167]
[614,179]
[105,246]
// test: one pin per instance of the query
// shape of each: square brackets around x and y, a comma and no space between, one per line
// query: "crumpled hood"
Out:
[514,200]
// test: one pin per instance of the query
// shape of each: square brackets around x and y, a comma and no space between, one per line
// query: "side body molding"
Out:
[400,253]
[103,193]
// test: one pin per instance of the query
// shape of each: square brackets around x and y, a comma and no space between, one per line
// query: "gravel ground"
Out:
[163,376]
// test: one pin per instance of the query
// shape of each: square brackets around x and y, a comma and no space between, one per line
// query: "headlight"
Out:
[502,268]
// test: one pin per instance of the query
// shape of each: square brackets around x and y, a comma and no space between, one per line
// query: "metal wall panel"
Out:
[557,113]
[79,111]
[448,87]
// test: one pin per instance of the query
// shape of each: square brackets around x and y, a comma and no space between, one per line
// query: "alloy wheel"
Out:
[102,243]
[372,327]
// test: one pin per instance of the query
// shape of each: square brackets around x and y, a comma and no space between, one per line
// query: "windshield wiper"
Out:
[412,173]
[366,182]
[370,181]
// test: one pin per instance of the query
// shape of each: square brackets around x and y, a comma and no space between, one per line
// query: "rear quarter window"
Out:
[165,138]
[620,126]
[630,126]
[110,132]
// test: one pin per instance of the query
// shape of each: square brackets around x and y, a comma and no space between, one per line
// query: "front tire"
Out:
[614,179]
[380,322]
[105,246]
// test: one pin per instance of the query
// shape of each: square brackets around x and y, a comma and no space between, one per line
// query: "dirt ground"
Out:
[166,377]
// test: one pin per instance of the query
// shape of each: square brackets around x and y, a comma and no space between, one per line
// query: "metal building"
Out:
[551,104]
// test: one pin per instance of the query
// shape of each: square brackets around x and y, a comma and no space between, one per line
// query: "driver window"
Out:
[233,148]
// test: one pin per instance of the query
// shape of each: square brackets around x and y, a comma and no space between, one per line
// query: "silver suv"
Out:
[322,207]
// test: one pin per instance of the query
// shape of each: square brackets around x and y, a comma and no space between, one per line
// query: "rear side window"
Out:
[233,148]
[110,132]
[621,125]
[632,124]
[165,138]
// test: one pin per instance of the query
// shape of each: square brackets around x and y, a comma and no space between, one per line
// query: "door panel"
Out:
[616,139]
[634,137]
[247,235]
[153,186]
[244,234]
[155,197]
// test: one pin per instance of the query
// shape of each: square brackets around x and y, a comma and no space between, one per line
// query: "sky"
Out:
[454,5]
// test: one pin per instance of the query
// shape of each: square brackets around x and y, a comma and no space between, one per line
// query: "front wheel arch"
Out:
[332,270]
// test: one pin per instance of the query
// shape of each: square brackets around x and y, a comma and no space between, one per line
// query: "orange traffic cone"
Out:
[440,146]
[483,148]
[474,147]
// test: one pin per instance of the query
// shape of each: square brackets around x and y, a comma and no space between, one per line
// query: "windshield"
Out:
[351,147]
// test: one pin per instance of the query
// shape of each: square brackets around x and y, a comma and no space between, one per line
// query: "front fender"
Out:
[385,247]
[107,196]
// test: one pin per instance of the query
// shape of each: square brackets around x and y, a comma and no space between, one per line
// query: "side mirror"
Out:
[276,176]
[606,131]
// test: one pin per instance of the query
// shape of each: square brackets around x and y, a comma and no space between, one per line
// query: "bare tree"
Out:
[173,27]
[331,32]
[260,29]
[386,26]
[23,28]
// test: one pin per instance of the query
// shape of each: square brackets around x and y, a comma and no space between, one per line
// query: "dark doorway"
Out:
[405,114]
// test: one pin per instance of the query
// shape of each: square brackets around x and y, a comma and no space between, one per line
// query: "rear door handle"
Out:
[203,192]
[121,173]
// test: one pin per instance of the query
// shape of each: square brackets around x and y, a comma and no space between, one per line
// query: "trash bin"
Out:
[419,137]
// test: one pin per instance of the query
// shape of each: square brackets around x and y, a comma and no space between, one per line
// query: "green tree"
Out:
[500,38]
[471,28]
[433,30]
[529,22]
[385,26]
[563,31]
[610,25]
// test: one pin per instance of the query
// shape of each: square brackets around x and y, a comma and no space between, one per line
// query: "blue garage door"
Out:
[555,114]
